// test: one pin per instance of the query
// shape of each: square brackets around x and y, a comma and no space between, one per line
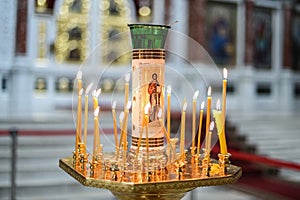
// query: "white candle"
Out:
[194,120]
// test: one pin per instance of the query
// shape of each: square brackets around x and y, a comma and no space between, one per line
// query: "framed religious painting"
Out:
[221,32]
[296,41]
[262,46]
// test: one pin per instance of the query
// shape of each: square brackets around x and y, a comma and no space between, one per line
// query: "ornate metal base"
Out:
[171,187]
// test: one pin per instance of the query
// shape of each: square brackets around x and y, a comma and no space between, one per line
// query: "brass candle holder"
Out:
[148,169]
[224,163]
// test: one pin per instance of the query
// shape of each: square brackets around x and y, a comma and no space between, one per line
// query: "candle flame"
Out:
[89,87]
[196,95]
[202,105]
[169,89]
[114,104]
[211,126]
[128,105]
[159,114]
[225,73]
[184,107]
[121,116]
[218,104]
[127,77]
[96,112]
[80,92]
[146,109]
[79,75]
[209,91]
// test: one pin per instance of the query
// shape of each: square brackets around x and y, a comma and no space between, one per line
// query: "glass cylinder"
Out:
[148,76]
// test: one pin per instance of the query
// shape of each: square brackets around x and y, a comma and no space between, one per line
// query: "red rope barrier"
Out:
[253,158]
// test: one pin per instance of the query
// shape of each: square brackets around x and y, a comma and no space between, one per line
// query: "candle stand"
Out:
[149,168]
[169,182]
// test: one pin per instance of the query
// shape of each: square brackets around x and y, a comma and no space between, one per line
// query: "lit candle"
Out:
[96,135]
[200,127]
[169,110]
[127,78]
[95,95]
[113,108]
[182,134]
[211,128]
[78,123]
[194,121]
[121,117]
[146,110]
[208,114]
[219,123]
[86,107]
[140,139]
[79,81]
[127,108]
[225,73]
[79,118]
[159,115]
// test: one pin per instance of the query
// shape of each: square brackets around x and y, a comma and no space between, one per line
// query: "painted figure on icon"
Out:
[154,91]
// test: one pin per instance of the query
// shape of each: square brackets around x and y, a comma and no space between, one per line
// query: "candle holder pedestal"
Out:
[171,186]
[224,163]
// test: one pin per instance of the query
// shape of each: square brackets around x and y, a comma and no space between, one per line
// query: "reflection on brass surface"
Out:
[164,183]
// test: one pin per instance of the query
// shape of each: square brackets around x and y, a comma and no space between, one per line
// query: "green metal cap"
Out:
[148,36]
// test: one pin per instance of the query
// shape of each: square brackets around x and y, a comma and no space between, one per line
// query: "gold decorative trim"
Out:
[166,189]
[148,54]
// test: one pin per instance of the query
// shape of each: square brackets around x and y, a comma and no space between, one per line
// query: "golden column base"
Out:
[168,188]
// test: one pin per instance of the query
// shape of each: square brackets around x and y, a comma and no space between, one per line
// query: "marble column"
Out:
[246,86]
[20,77]
[286,95]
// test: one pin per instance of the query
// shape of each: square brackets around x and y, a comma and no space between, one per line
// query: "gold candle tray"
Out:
[162,189]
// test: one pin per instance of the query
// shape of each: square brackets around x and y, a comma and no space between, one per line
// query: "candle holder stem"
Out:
[224,163]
